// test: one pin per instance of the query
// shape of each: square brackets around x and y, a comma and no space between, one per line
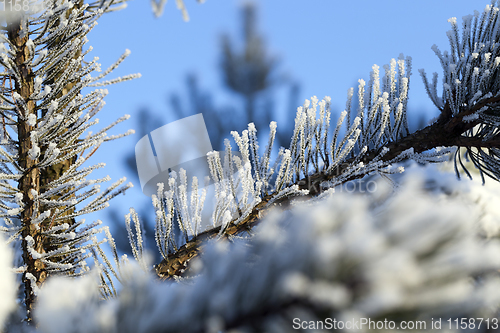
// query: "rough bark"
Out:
[31,176]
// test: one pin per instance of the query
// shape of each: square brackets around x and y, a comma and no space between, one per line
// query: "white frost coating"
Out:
[452,20]
[8,285]
[227,217]
[53,106]
[34,152]
[30,243]
[158,6]
[32,279]
[31,119]
[40,218]
[19,199]
[392,243]
[359,234]
[38,83]
[470,117]
[497,61]
[13,211]
[66,304]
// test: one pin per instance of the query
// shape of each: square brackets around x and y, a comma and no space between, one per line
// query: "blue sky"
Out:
[325,45]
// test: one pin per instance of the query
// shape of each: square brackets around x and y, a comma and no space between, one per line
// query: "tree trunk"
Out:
[31,176]
[34,178]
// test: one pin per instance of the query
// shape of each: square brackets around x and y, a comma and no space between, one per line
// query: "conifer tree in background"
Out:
[251,71]
[388,256]
[252,75]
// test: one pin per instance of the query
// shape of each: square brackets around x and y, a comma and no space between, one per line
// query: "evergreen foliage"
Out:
[282,243]
[46,121]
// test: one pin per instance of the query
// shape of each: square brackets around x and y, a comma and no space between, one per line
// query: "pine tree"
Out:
[249,72]
[45,117]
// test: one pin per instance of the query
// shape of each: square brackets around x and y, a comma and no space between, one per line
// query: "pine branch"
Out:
[447,132]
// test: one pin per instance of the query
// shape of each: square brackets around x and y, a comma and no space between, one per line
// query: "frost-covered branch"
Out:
[471,88]
[158,7]
[364,141]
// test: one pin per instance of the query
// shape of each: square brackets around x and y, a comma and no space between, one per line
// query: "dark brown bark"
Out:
[447,132]
[31,177]
[34,178]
